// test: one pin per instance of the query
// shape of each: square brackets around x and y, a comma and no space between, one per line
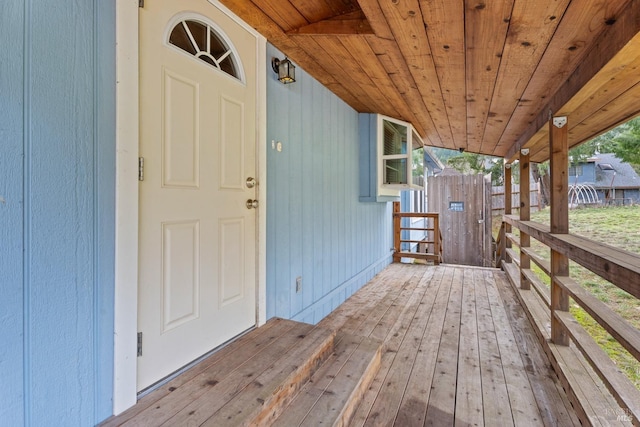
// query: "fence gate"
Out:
[464,204]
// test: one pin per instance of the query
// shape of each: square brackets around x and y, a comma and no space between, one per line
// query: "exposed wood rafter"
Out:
[349,23]
[469,74]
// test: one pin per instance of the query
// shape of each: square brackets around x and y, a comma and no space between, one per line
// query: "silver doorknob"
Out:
[252,204]
[251,182]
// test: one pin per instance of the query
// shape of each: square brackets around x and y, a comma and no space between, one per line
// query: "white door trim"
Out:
[126,257]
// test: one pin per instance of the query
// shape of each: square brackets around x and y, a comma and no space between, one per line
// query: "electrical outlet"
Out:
[298,284]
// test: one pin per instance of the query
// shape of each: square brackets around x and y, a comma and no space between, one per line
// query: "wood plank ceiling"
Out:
[482,75]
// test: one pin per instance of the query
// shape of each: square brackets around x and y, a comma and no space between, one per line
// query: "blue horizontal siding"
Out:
[57,175]
[317,228]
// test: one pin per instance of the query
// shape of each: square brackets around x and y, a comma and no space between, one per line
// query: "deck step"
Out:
[199,392]
[264,397]
[335,390]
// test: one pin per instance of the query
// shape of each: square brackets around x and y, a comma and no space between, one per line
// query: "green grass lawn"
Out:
[616,226]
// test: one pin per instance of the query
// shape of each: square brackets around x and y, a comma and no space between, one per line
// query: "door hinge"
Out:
[139,344]
[140,168]
[140,3]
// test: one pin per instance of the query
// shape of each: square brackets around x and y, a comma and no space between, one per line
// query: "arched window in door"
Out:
[204,42]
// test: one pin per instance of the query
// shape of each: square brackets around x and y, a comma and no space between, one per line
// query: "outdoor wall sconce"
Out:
[525,151]
[285,70]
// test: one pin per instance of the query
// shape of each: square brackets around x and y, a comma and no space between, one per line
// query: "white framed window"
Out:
[401,154]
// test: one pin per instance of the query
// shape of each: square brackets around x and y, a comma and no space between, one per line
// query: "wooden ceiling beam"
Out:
[255,17]
[386,50]
[339,63]
[579,29]
[283,13]
[531,27]
[395,104]
[376,19]
[486,26]
[396,68]
[343,25]
[444,22]
[619,31]
[407,26]
[614,88]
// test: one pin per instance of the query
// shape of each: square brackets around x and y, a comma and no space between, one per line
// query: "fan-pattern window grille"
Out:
[203,42]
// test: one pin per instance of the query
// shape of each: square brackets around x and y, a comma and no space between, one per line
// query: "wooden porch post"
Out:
[396,231]
[436,239]
[507,204]
[558,147]
[525,215]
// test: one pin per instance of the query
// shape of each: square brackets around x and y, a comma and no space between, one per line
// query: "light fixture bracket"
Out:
[560,122]
[275,65]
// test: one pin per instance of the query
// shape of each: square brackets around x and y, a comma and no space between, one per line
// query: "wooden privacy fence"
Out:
[551,305]
[429,228]
[497,198]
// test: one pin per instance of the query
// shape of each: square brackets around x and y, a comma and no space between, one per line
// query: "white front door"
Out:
[197,243]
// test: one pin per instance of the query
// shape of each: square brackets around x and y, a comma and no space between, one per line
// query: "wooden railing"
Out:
[432,236]
[620,267]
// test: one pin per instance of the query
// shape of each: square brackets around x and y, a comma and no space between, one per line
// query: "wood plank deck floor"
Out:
[457,349]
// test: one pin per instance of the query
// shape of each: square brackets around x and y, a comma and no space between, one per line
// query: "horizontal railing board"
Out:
[514,255]
[513,238]
[417,255]
[416,229]
[619,328]
[594,402]
[625,393]
[544,265]
[537,284]
[416,214]
[620,267]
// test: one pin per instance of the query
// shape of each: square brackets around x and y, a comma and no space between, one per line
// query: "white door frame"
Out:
[126,257]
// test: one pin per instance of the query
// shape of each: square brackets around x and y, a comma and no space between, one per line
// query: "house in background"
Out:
[614,181]
[162,191]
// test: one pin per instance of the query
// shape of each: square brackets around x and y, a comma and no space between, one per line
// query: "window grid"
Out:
[203,42]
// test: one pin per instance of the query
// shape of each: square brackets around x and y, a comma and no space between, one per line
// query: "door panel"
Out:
[181,151]
[197,243]
[180,273]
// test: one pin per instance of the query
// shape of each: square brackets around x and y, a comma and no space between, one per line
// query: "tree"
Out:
[626,144]
[581,153]
[623,141]
[478,163]
[540,172]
